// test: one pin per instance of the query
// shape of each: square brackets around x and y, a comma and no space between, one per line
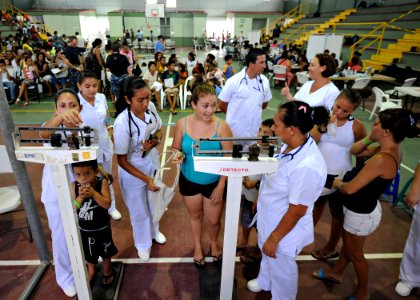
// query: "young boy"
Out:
[92,199]
[228,68]
[249,197]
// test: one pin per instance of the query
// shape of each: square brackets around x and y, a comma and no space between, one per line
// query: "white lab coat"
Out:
[299,180]
[135,190]
[94,117]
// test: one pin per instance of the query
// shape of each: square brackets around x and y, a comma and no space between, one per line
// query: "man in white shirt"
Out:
[245,95]
[81,43]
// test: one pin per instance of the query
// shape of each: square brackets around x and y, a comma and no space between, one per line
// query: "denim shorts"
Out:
[362,224]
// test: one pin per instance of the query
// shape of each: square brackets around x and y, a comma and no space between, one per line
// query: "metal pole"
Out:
[22,180]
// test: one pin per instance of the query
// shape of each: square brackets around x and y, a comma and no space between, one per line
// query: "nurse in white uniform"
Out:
[67,114]
[410,264]
[319,91]
[245,95]
[136,134]
[286,199]
[95,115]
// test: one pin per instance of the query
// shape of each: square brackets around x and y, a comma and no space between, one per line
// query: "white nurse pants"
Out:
[410,264]
[62,263]
[135,198]
[107,165]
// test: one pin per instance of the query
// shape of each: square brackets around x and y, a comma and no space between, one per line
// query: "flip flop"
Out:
[320,274]
[249,259]
[217,260]
[105,282]
[323,257]
[200,263]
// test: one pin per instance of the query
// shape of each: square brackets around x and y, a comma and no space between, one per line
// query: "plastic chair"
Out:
[168,45]
[302,77]
[179,100]
[398,94]
[392,189]
[279,71]
[9,196]
[187,91]
[197,45]
[379,101]
[360,84]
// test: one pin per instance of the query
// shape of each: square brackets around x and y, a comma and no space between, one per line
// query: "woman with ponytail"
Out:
[136,135]
[361,188]
[286,198]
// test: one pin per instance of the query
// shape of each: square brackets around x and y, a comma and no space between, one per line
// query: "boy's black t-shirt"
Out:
[92,217]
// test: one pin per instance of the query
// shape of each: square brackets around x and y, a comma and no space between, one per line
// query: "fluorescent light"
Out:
[151,1]
[171,3]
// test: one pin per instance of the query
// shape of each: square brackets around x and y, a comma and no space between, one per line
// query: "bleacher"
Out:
[369,15]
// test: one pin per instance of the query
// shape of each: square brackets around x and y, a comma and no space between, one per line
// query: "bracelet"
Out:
[110,126]
[366,141]
[76,204]
[273,238]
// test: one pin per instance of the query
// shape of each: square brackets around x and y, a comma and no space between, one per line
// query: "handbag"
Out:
[161,198]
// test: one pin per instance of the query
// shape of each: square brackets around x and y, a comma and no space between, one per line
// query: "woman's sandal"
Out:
[217,260]
[105,279]
[323,257]
[200,263]
[320,274]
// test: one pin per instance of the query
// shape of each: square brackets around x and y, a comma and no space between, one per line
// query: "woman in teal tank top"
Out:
[202,193]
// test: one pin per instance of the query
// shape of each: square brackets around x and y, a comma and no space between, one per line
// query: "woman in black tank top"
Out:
[362,186]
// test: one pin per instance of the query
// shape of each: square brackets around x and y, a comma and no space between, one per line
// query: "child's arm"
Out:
[103,198]
[78,202]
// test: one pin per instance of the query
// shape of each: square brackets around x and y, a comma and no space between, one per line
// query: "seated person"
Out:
[7,77]
[150,77]
[354,64]
[30,73]
[284,61]
[173,88]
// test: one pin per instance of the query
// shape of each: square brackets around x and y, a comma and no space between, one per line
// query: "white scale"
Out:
[58,158]
[235,168]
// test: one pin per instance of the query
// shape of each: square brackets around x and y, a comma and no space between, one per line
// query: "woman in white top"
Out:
[136,134]
[67,114]
[286,199]
[320,90]
[335,143]
[95,115]
[150,78]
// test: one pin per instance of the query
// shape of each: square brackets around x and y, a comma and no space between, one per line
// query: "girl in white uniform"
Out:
[286,199]
[335,146]
[67,113]
[136,134]
[95,115]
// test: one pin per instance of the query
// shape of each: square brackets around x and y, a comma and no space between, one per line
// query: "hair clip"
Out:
[412,121]
[302,107]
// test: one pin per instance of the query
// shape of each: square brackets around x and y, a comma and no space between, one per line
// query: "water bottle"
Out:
[332,128]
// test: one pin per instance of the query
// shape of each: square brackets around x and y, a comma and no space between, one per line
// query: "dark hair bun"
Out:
[320,115]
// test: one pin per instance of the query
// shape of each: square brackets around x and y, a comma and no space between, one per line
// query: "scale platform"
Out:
[109,293]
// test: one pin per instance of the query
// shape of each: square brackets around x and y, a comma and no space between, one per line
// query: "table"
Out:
[413,91]
[375,77]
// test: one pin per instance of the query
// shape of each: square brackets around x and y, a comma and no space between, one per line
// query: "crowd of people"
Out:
[319,133]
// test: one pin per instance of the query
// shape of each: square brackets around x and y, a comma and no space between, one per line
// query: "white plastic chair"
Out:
[197,45]
[9,196]
[187,91]
[150,46]
[179,100]
[168,45]
[279,70]
[359,84]
[398,94]
[383,101]
[302,77]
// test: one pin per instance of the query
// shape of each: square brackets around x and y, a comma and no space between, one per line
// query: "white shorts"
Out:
[362,224]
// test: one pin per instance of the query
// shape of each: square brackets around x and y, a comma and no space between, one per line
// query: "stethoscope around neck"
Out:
[131,120]
[259,80]
[290,156]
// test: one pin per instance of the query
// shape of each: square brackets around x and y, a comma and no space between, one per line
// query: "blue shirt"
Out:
[159,47]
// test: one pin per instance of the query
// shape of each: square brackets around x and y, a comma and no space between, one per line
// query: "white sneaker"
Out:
[144,254]
[403,289]
[115,214]
[160,238]
[70,291]
[253,286]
